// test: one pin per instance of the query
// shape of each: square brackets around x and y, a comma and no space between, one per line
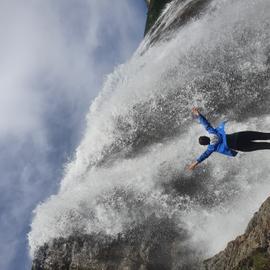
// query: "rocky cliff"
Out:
[250,251]
[155,8]
[160,26]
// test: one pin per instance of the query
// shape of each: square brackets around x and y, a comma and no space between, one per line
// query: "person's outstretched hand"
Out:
[192,166]
[195,111]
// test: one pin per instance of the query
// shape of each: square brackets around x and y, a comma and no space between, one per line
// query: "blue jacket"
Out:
[221,146]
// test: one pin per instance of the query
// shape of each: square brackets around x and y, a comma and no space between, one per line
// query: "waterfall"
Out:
[140,134]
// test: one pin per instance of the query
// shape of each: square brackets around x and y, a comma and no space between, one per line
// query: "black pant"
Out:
[244,141]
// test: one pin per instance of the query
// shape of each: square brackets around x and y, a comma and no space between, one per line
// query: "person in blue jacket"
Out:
[227,144]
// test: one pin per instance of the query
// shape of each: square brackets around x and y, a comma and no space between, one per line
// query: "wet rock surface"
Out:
[152,245]
[155,8]
[162,25]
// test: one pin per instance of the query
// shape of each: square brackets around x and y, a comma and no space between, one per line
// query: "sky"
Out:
[54,59]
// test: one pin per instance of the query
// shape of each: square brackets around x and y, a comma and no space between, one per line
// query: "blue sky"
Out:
[54,58]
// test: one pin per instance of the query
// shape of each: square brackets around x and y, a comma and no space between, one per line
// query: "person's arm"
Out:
[192,166]
[203,121]
[210,129]
[205,154]
[202,157]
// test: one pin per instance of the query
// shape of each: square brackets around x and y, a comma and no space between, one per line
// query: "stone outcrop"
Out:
[155,7]
[160,26]
[250,251]
[153,245]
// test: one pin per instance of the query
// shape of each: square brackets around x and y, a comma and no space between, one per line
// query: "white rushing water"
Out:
[140,135]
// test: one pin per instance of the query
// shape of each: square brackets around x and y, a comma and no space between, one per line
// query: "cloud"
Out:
[54,56]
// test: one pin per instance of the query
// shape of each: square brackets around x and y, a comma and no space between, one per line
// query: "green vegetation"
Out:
[259,260]
[155,9]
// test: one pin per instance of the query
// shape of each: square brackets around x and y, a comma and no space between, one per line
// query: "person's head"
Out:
[204,140]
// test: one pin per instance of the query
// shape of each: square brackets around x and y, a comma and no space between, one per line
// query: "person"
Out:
[227,144]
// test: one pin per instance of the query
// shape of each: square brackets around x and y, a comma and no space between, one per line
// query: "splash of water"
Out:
[140,135]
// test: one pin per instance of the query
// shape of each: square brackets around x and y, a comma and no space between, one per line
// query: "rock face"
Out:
[154,9]
[160,26]
[250,251]
[151,246]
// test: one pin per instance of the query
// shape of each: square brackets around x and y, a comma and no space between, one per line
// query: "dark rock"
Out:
[181,12]
[155,7]
[152,246]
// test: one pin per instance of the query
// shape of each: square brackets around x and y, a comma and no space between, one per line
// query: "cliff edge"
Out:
[250,251]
